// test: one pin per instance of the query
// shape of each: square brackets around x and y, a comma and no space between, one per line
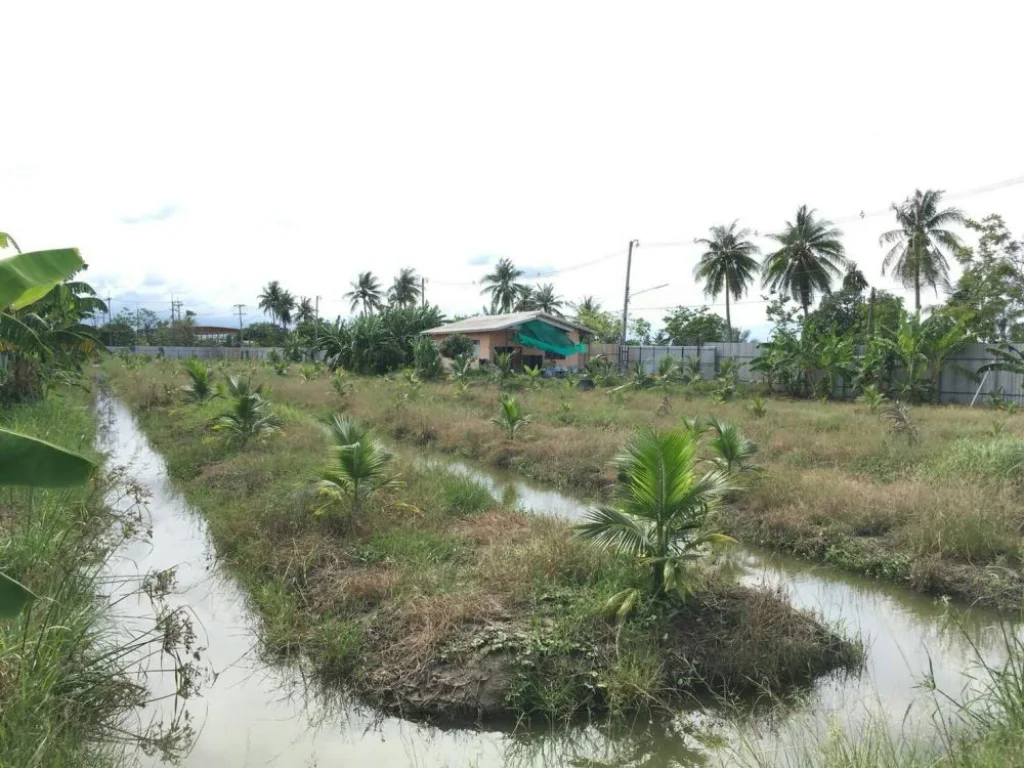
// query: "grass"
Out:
[69,693]
[942,514]
[437,599]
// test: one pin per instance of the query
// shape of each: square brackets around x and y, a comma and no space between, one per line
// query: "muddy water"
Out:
[256,712]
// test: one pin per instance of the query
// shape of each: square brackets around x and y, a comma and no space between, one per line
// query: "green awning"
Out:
[540,335]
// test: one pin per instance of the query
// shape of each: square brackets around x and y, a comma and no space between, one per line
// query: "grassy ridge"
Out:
[67,693]
[943,515]
[438,599]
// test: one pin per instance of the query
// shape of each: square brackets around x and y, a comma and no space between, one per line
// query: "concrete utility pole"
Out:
[625,302]
[241,330]
[871,314]
[316,327]
[423,291]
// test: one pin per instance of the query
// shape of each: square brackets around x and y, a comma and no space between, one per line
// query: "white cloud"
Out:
[309,142]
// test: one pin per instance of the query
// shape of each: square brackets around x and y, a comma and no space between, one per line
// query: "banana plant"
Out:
[32,463]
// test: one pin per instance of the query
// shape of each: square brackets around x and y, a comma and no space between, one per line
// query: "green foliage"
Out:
[811,255]
[375,344]
[462,495]
[727,265]
[341,385]
[502,368]
[662,503]
[732,451]
[605,326]
[456,345]
[358,465]
[427,359]
[510,417]
[278,303]
[249,416]
[366,292]
[728,380]
[871,397]
[200,387]
[690,327]
[758,407]
[502,287]
[405,290]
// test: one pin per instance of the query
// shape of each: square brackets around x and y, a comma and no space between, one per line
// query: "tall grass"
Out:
[69,690]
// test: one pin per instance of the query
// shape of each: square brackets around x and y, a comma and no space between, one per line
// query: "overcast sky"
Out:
[202,149]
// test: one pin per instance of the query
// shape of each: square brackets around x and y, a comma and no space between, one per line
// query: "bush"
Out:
[455,345]
[427,359]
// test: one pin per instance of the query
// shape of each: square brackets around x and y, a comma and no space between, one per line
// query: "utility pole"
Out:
[423,291]
[625,302]
[241,330]
[316,328]
[871,314]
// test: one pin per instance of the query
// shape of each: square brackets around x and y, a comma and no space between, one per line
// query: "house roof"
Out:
[485,323]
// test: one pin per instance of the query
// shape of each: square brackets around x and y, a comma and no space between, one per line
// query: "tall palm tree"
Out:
[270,299]
[545,299]
[502,286]
[304,311]
[526,301]
[405,291]
[811,256]
[663,501]
[854,280]
[586,304]
[365,291]
[727,265]
[285,307]
[916,256]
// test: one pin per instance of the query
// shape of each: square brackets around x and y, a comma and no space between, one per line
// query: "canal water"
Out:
[255,711]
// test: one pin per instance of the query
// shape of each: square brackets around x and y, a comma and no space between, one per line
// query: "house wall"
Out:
[490,340]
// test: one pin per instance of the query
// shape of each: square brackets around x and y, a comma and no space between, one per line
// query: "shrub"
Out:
[456,345]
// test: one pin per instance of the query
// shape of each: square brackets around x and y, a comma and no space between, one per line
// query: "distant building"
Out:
[213,332]
[532,338]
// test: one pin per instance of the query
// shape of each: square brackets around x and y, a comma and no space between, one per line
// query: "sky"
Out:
[199,150]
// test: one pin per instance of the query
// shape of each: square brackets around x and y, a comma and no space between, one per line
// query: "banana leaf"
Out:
[36,463]
[28,277]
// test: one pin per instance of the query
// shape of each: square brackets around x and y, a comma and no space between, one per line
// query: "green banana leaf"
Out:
[36,463]
[14,596]
[28,277]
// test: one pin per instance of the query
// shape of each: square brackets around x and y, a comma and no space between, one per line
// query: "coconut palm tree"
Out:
[271,299]
[811,256]
[917,255]
[200,387]
[304,311]
[405,291]
[663,501]
[545,300]
[249,415]
[587,304]
[365,291]
[727,265]
[527,301]
[733,451]
[854,280]
[285,307]
[502,287]
[510,417]
[358,465]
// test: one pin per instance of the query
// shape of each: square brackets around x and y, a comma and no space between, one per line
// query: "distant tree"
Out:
[527,301]
[854,280]
[727,265]
[502,287]
[272,299]
[809,258]
[366,292]
[304,311]
[688,326]
[917,255]
[545,300]
[586,304]
[640,330]
[405,291]
[264,334]
[456,344]
[605,326]
[119,332]
[990,292]
[285,307]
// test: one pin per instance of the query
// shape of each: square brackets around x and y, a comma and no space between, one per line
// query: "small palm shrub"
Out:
[502,368]
[532,376]
[510,417]
[200,387]
[662,502]
[758,407]
[872,397]
[249,416]
[358,466]
[692,373]
[427,359]
[731,450]
[341,385]
[668,368]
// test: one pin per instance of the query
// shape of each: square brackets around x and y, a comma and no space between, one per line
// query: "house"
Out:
[532,338]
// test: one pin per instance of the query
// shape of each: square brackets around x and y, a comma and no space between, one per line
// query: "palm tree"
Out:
[734,452]
[365,291]
[304,311]
[358,465]
[249,416]
[510,417]
[854,280]
[587,304]
[502,286]
[200,386]
[727,265]
[405,291]
[545,300]
[527,302]
[916,256]
[663,502]
[271,299]
[809,259]
[285,305]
